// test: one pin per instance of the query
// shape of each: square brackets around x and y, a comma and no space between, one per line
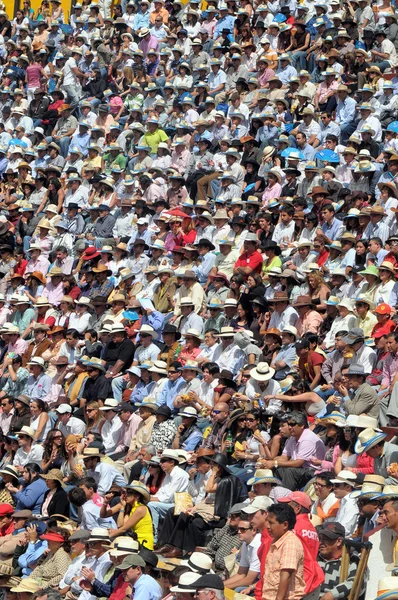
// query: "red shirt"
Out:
[7,530]
[387,326]
[254,261]
[19,268]
[266,541]
[322,258]
[313,574]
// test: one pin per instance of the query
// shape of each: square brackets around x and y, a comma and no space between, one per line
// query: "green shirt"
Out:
[153,139]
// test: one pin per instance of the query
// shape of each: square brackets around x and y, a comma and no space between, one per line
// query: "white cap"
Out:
[63,408]
[259,503]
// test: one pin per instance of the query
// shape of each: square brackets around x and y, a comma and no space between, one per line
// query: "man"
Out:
[363,354]
[251,260]
[309,320]
[249,564]
[294,466]
[37,262]
[228,355]
[68,424]
[176,480]
[89,513]
[28,451]
[72,79]
[219,416]
[142,436]
[110,431]
[63,261]
[7,413]
[38,384]
[333,363]
[103,229]
[282,313]
[287,356]
[173,385]
[327,505]
[190,289]
[117,356]
[78,541]
[97,567]
[332,228]
[365,399]
[147,351]
[368,502]
[348,512]
[104,474]
[383,453]
[331,538]
[130,421]
[144,587]
[225,539]
[284,565]
[97,386]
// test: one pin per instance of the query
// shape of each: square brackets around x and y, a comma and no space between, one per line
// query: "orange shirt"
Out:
[285,553]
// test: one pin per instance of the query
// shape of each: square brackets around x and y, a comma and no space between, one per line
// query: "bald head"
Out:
[220,412]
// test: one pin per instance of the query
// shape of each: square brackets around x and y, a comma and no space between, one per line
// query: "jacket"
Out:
[228,493]
[31,496]
[160,300]
[59,503]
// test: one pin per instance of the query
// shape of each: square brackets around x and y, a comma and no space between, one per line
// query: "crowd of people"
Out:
[198,300]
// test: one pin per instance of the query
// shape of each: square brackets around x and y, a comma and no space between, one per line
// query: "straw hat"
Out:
[372,484]
[345,477]
[387,588]
[368,438]
[140,488]
[262,372]
[264,476]
[54,475]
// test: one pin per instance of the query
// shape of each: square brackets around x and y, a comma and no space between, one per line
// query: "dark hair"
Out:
[62,248]
[283,513]
[377,240]
[49,592]
[212,367]
[395,334]
[74,333]
[328,207]
[331,137]
[48,445]
[346,444]
[299,417]
[312,217]
[327,477]
[175,364]
[34,470]
[90,483]
[42,405]
[311,337]
[287,209]
[77,496]
[340,333]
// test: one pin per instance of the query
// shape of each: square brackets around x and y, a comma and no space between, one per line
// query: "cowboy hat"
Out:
[148,330]
[368,438]
[262,372]
[139,488]
[54,475]
[264,476]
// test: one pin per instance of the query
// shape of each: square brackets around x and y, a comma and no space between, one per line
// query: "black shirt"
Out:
[114,352]
[97,389]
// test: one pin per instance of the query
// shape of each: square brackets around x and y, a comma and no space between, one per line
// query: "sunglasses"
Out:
[292,423]
[216,412]
[243,529]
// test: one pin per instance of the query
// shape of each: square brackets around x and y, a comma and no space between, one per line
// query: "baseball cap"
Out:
[259,503]
[63,408]
[333,531]
[299,497]
[383,309]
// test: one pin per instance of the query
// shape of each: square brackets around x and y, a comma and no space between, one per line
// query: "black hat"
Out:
[205,242]
[220,460]
[126,406]
[227,375]
[141,242]
[73,205]
[99,300]
[333,531]
[210,581]
[149,557]
[171,329]
[237,220]
[164,410]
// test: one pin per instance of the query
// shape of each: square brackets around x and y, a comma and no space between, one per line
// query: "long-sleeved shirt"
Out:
[51,570]
[106,475]
[38,388]
[110,434]
[169,392]
[348,514]
[90,517]
[390,369]
[176,481]
[345,112]
[100,566]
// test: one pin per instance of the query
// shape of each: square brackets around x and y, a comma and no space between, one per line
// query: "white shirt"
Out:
[273,387]
[248,554]
[366,357]
[90,517]
[79,322]
[106,475]
[69,76]
[22,458]
[74,426]
[232,358]
[348,514]
[74,570]
[279,320]
[110,434]
[176,481]
[99,566]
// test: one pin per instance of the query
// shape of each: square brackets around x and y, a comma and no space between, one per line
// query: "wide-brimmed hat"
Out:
[27,585]
[10,470]
[54,475]
[225,332]
[264,476]
[372,484]
[262,372]
[220,460]
[198,562]
[124,545]
[355,335]
[110,404]
[368,438]
[140,488]
[186,583]
[303,300]
[189,411]
[98,534]
[148,330]
[345,477]
[159,366]
[387,587]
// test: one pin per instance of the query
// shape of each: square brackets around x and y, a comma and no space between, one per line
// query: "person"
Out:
[348,512]
[143,586]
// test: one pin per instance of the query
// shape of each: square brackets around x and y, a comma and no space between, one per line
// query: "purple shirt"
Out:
[53,293]
[390,368]
[150,44]
[304,448]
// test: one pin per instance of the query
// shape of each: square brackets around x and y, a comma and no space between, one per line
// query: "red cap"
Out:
[380,332]
[6,509]
[53,537]
[299,498]
[383,309]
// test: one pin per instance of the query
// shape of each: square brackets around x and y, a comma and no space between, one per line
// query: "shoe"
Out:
[164,549]
[174,553]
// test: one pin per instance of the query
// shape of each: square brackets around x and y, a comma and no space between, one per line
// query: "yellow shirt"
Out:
[143,528]
[153,139]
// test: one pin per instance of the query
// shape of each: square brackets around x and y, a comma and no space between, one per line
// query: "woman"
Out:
[244,318]
[71,290]
[9,475]
[235,434]
[156,475]
[94,418]
[21,415]
[235,289]
[266,228]
[80,319]
[182,535]
[55,193]
[133,514]
[317,289]
[300,392]
[387,283]
[53,568]
[309,232]
[54,450]
[251,449]
[55,499]
[30,494]
[361,251]
[33,77]
[272,252]
[192,348]
[370,289]
[40,421]
[255,286]
[226,388]
[35,285]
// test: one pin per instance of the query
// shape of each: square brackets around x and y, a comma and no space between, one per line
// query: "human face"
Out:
[251,422]
[327,546]
[295,429]
[275,529]
[6,405]
[390,515]
[321,489]
[167,464]
[218,414]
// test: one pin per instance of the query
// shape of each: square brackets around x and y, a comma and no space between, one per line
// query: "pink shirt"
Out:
[53,293]
[33,74]
[270,192]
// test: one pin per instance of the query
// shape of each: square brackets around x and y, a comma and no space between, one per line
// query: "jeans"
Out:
[118,385]
[300,60]
[215,187]
[73,95]
[158,511]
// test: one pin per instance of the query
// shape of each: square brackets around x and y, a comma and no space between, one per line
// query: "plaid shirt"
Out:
[101,290]
[223,542]
[331,568]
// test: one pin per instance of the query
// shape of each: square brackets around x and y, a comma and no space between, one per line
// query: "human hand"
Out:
[89,573]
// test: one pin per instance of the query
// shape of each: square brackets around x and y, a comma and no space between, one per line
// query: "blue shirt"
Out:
[38,388]
[286,74]
[334,230]
[146,588]
[81,141]
[32,553]
[169,393]
[141,21]
[31,497]
[346,112]
[204,269]
[226,22]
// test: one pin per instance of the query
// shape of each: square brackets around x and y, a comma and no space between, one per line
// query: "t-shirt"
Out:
[254,261]
[114,352]
[69,76]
